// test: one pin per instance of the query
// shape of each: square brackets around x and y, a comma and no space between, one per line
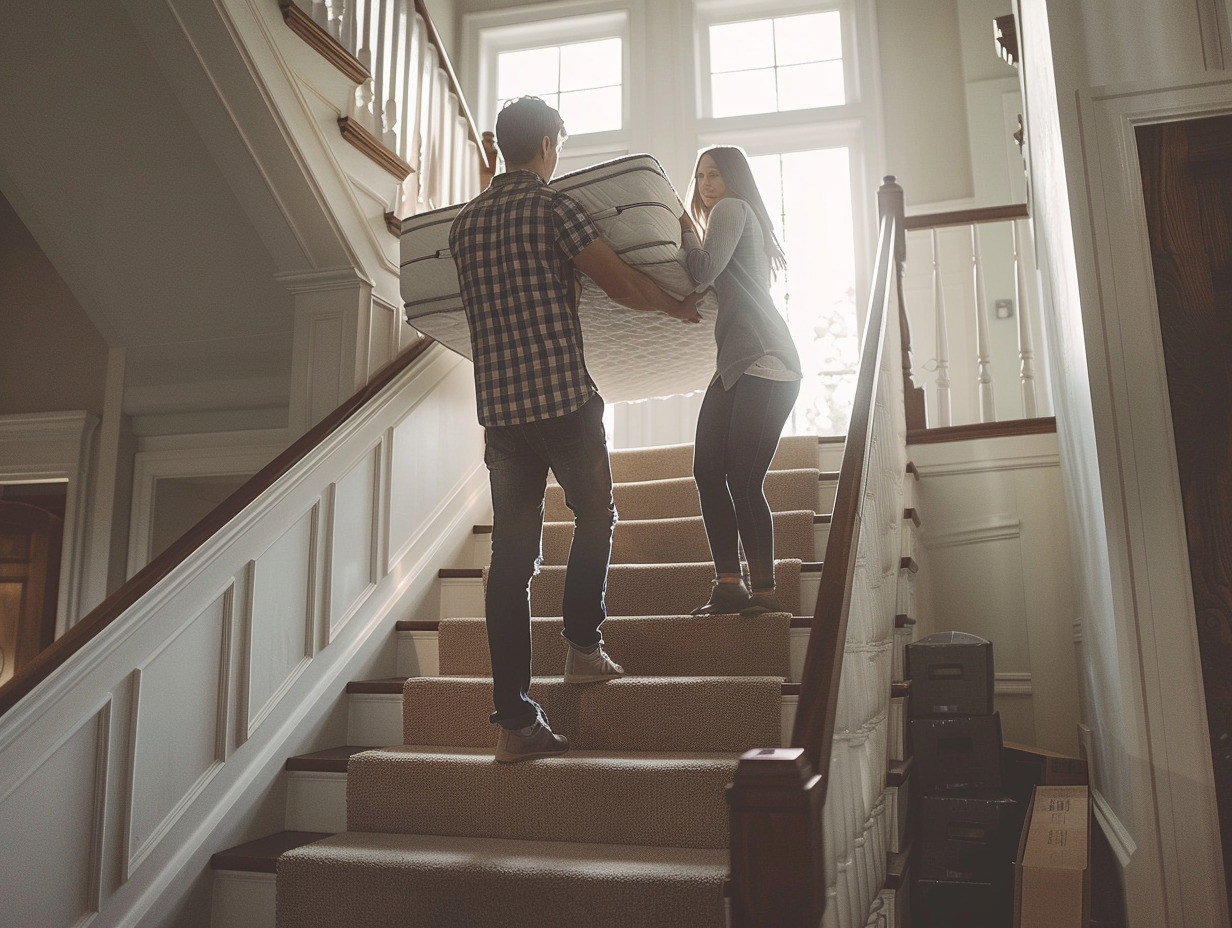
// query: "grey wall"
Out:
[51,356]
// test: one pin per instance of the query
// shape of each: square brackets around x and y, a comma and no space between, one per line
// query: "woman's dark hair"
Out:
[522,124]
[733,164]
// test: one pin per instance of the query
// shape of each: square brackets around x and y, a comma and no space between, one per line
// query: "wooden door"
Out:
[1187,186]
[30,539]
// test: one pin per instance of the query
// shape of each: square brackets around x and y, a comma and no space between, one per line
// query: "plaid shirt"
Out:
[513,246]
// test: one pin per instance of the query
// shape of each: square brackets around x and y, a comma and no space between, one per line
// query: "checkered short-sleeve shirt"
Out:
[513,246]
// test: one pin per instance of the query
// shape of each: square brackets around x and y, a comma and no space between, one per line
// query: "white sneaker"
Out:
[590,667]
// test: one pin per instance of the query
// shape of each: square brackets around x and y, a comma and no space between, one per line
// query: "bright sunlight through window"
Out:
[772,65]
[808,195]
[582,81]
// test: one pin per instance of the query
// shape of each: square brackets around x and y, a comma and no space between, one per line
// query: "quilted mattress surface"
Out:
[631,355]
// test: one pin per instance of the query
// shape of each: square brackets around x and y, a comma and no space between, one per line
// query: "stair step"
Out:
[637,589]
[708,713]
[423,879]
[316,789]
[663,799]
[674,497]
[794,451]
[244,891]
[730,645]
[418,644]
[375,714]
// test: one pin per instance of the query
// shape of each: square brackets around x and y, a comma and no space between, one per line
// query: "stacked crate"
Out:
[968,822]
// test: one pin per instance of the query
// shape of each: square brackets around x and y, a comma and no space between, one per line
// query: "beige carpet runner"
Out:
[630,827]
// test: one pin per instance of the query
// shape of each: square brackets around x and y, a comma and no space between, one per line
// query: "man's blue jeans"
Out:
[518,457]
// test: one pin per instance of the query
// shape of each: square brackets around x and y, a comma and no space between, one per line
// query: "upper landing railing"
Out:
[974,318]
[408,113]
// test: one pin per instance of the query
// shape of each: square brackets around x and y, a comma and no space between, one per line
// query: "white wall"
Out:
[1150,763]
[997,563]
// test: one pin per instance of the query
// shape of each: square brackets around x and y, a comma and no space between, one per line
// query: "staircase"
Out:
[633,818]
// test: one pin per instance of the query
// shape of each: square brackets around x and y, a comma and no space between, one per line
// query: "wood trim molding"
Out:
[393,224]
[311,32]
[374,148]
[145,579]
[1007,429]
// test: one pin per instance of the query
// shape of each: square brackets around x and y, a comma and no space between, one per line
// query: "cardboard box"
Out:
[968,836]
[951,673]
[958,752]
[1048,767]
[1052,874]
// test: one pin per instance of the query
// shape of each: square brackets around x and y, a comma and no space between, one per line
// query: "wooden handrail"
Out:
[819,684]
[966,217]
[777,797]
[145,579]
[447,66]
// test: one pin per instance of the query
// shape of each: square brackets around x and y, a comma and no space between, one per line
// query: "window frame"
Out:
[491,34]
[707,13]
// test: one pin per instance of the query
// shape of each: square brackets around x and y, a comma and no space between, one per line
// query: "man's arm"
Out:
[629,286]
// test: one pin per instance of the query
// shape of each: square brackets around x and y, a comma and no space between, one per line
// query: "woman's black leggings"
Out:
[737,434]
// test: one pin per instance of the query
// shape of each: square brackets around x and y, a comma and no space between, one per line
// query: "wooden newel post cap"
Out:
[777,845]
[773,775]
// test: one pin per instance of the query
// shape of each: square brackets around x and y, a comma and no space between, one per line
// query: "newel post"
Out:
[777,842]
[890,205]
[487,161]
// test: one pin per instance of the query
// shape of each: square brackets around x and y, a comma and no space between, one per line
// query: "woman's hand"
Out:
[686,222]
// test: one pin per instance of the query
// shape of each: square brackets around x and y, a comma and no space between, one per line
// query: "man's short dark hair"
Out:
[522,124]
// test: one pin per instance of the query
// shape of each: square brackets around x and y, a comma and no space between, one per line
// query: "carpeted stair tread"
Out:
[706,713]
[651,541]
[365,880]
[678,646]
[676,497]
[794,451]
[672,800]
[657,589]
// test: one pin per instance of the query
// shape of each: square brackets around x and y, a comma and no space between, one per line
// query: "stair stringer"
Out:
[163,740]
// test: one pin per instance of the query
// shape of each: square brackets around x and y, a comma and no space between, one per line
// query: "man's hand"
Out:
[686,309]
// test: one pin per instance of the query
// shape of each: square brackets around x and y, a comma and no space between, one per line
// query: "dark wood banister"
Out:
[819,684]
[129,593]
[776,797]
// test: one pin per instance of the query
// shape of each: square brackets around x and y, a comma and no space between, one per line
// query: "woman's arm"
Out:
[707,260]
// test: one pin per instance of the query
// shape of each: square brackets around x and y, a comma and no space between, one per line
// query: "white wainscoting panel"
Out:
[996,546]
[281,617]
[179,699]
[68,783]
[426,434]
[351,541]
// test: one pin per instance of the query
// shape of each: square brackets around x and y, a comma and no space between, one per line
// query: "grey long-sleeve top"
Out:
[748,326]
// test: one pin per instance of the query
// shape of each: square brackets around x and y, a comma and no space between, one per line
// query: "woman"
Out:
[755,386]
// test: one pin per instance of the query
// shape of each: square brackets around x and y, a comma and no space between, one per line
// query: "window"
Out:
[776,65]
[582,80]
[808,196]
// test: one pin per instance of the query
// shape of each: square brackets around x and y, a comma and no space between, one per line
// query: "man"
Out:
[517,247]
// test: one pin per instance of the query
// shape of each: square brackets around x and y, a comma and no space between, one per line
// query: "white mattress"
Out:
[631,355]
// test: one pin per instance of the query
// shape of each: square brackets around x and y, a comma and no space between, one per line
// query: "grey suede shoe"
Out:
[590,667]
[761,603]
[725,599]
[512,747]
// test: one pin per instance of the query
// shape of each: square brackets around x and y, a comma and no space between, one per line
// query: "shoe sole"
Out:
[515,758]
[591,678]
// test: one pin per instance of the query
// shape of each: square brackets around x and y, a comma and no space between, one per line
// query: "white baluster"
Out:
[1026,347]
[988,411]
[944,416]
[334,12]
[362,104]
[319,13]
[381,67]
